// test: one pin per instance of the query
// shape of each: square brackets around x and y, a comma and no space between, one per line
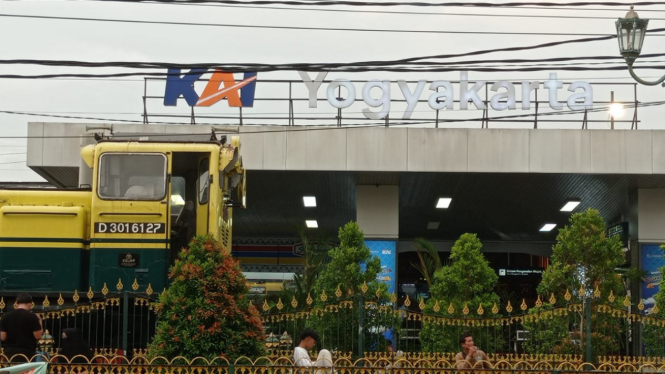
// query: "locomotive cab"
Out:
[150,199]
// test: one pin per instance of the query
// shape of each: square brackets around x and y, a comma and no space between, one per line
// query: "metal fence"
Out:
[563,330]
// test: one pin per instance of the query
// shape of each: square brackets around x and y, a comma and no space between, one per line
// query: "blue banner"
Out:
[652,261]
[386,251]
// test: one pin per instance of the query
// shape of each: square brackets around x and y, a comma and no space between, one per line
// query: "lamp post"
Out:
[630,33]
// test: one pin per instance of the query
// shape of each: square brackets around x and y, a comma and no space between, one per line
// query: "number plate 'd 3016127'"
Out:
[129,228]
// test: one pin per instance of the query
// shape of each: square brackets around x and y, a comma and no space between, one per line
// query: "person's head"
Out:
[24,300]
[466,341]
[308,338]
[389,345]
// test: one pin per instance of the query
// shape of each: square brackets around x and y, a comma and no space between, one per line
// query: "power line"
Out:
[411,13]
[7,154]
[546,5]
[291,129]
[300,28]
[13,162]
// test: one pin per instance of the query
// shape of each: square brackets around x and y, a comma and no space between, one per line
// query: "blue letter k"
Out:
[177,85]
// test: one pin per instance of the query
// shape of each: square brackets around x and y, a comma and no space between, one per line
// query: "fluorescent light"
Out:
[433,225]
[309,201]
[444,202]
[177,200]
[311,224]
[570,206]
[548,227]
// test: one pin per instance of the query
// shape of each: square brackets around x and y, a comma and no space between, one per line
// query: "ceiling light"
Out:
[548,227]
[444,202]
[433,225]
[311,224]
[570,206]
[309,201]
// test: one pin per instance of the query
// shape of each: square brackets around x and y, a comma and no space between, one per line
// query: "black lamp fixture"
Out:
[630,33]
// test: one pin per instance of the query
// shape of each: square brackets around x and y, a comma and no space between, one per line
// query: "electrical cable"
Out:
[399,3]
[291,129]
[359,11]
[299,28]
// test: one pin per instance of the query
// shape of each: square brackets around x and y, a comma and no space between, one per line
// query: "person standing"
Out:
[74,347]
[21,329]
[470,357]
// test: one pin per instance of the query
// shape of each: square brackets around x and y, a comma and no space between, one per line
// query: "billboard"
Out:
[386,251]
[652,261]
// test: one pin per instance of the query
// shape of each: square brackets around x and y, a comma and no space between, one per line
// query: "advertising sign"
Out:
[652,261]
[386,251]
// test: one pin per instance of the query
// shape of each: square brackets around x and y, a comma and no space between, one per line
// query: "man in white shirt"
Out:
[308,339]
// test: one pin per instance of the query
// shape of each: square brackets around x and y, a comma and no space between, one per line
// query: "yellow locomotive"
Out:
[147,197]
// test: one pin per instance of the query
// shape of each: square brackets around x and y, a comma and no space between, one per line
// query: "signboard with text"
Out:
[386,251]
[652,261]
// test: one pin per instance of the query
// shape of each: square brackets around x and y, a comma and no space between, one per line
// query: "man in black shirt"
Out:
[20,329]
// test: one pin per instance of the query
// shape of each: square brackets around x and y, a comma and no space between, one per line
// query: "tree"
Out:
[350,266]
[469,282]
[583,256]
[205,311]
[654,335]
[428,259]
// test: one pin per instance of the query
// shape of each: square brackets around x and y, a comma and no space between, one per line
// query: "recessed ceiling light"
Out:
[311,224]
[309,201]
[548,227]
[570,206]
[433,225]
[444,202]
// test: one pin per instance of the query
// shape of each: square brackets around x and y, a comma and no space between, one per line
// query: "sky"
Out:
[121,98]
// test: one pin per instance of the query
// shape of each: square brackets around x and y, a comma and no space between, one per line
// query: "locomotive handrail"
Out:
[128,214]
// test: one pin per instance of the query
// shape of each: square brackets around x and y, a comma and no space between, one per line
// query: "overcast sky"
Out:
[46,39]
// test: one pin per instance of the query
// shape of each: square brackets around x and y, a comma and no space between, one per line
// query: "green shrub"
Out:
[205,311]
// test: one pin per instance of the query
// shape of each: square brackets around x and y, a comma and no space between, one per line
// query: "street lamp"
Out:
[630,33]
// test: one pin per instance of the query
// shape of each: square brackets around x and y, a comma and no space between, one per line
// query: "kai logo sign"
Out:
[222,85]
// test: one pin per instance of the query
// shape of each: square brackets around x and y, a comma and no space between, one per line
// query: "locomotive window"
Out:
[204,181]
[177,195]
[132,176]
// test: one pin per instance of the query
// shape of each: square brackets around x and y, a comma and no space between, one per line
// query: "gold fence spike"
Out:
[135,285]
[451,308]
[148,291]
[163,291]
[552,299]
[324,297]
[509,308]
[436,307]
[294,302]
[640,306]
[280,305]
[119,286]
[46,303]
[105,289]
[465,311]
[266,307]
[626,301]
[76,296]
[393,298]
[611,298]
[90,294]
[60,300]
[495,309]
[480,310]
[538,302]
[364,287]
[567,296]
[523,306]
[338,292]
[655,309]
[581,291]
[421,305]
[407,302]
[596,292]
[378,292]
[2,303]
[309,299]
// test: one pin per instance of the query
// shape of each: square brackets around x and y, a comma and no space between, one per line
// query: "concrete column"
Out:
[377,211]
